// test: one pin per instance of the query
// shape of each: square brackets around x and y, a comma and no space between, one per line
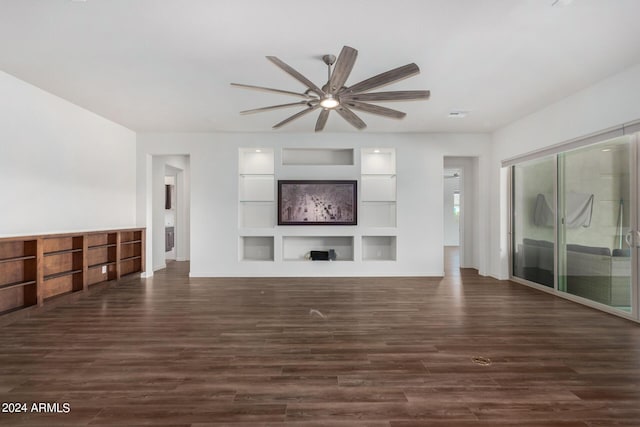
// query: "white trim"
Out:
[581,141]
[566,146]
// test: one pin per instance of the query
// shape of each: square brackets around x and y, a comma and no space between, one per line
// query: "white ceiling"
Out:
[166,65]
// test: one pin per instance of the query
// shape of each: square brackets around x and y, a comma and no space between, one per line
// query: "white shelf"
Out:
[295,248]
[378,188]
[378,248]
[378,161]
[318,156]
[378,214]
[256,248]
[257,214]
[256,188]
[255,161]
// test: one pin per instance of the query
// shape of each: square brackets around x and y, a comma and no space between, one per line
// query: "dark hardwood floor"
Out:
[377,352]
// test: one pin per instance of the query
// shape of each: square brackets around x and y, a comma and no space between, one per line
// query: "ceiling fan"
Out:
[334,95]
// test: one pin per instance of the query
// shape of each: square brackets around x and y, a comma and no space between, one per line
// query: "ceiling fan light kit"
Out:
[335,96]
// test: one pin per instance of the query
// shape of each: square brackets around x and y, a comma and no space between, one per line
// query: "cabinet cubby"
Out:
[131,252]
[62,265]
[18,275]
[102,249]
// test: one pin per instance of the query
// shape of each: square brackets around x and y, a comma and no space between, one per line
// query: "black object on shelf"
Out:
[329,255]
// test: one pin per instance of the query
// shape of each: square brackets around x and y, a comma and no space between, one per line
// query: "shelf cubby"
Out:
[257,188]
[378,188]
[62,265]
[257,214]
[18,275]
[101,257]
[378,161]
[378,248]
[296,248]
[317,156]
[378,214]
[256,248]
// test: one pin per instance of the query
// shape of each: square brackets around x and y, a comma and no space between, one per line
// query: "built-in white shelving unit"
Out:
[378,203]
[257,206]
[378,187]
[373,239]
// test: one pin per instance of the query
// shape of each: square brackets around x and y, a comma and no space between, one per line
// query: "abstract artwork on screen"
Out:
[317,203]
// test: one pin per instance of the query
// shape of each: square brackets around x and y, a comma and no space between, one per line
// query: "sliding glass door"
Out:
[597,216]
[533,221]
[574,226]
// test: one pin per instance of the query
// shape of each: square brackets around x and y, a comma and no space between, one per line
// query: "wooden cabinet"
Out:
[131,259]
[35,269]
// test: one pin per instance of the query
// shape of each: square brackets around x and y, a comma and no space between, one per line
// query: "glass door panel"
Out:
[597,217]
[533,221]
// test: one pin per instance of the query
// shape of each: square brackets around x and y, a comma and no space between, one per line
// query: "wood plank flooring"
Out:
[393,352]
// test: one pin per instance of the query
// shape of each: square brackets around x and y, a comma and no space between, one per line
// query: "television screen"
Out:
[317,202]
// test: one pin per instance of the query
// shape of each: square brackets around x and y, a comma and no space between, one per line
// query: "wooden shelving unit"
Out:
[35,269]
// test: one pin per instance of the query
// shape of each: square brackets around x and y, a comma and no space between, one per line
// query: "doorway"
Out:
[460,204]
[168,198]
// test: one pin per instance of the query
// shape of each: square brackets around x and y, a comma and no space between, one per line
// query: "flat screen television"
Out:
[317,202]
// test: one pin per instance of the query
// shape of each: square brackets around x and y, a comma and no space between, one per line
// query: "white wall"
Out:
[609,103]
[214,198]
[62,168]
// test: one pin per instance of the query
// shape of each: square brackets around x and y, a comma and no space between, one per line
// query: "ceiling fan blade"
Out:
[322,119]
[296,116]
[296,75]
[342,69]
[275,107]
[401,95]
[385,78]
[350,116]
[375,109]
[268,89]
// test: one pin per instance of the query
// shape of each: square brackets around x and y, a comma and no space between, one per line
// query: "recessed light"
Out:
[258,150]
[458,114]
[376,151]
[606,149]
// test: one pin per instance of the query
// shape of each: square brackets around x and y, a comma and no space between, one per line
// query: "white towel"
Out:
[578,208]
